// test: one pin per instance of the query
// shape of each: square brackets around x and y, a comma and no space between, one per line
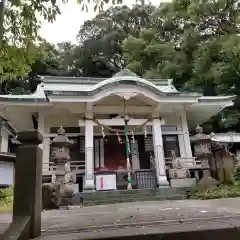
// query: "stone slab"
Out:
[187,231]
[184,182]
[125,218]
[74,187]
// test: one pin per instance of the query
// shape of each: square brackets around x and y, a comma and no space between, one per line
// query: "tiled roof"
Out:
[83,86]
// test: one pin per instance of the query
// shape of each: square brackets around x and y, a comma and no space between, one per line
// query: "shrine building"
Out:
[94,113]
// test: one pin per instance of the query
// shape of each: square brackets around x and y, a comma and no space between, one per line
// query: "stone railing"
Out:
[76,166]
[26,221]
[185,162]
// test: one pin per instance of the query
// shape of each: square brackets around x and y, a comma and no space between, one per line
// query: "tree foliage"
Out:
[20,21]
[194,42]
[20,33]
[197,44]
[97,4]
[99,52]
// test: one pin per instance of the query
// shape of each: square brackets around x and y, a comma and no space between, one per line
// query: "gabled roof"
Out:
[80,89]
[229,137]
[126,72]
[81,86]
[86,87]
[37,96]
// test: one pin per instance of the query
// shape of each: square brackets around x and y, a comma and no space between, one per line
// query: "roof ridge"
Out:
[95,80]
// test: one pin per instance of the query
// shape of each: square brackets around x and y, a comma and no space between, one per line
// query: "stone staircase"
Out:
[136,195]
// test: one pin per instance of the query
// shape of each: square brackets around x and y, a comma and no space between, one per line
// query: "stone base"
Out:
[72,186]
[89,188]
[207,182]
[183,182]
[163,182]
[77,199]
[178,173]
[89,185]
[50,196]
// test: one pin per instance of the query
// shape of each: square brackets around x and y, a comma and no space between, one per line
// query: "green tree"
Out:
[46,62]
[99,52]
[97,4]
[19,31]
[66,57]
[197,44]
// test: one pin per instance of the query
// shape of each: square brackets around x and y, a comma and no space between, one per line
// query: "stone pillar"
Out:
[41,125]
[28,181]
[4,140]
[45,146]
[135,154]
[101,153]
[159,155]
[186,138]
[46,153]
[96,153]
[89,165]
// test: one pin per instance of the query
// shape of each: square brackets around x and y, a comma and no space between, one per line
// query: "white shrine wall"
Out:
[68,119]
[6,168]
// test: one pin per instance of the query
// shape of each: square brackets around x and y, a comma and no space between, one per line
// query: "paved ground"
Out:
[134,218]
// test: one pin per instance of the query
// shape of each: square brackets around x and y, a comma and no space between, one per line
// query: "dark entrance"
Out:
[80,182]
[114,153]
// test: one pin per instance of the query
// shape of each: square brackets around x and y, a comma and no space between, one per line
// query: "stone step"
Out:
[104,197]
[123,196]
[126,196]
[112,201]
[124,199]
[125,193]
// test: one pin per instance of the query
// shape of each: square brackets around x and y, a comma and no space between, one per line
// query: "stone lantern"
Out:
[61,145]
[202,148]
[60,156]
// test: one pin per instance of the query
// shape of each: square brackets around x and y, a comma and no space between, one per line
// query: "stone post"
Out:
[186,137]
[158,154]
[28,180]
[89,167]
[4,140]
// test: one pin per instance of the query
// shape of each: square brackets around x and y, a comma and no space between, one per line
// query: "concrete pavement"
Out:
[126,218]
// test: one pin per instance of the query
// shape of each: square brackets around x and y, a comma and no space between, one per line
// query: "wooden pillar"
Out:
[28,181]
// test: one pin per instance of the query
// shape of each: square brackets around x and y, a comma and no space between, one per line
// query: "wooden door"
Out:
[114,154]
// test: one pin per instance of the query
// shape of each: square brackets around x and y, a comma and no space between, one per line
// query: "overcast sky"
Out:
[66,26]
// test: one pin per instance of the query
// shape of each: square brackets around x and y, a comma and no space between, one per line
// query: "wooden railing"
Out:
[141,178]
[146,178]
[26,222]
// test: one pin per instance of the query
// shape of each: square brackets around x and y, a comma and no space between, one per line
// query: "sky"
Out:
[67,25]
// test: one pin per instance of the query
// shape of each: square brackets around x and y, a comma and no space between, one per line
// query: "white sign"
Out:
[106,182]
[6,173]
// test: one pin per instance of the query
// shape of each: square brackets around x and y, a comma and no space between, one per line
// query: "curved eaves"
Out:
[95,90]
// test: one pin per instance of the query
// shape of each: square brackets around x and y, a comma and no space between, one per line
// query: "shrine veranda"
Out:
[110,121]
